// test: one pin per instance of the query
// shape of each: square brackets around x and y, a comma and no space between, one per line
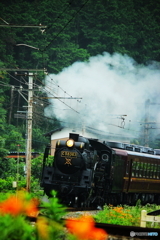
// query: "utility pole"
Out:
[11,104]
[29,118]
[29,130]
[30,97]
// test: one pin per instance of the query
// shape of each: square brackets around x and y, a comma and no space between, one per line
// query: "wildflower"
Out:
[30,206]
[98,234]
[31,209]
[80,225]
[12,206]
[84,228]
[19,204]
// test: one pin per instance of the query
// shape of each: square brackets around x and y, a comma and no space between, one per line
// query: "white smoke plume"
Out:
[113,88]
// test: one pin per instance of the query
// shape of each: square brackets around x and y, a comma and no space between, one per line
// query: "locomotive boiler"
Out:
[89,172]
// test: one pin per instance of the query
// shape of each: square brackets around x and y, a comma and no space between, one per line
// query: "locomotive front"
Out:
[68,156]
[70,174]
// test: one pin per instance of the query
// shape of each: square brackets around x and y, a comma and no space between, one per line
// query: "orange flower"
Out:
[80,226]
[98,234]
[84,228]
[29,205]
[31,209]
[12,205]
[15,205]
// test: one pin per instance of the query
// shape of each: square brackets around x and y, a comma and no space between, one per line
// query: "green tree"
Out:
[37,166]
[75,31]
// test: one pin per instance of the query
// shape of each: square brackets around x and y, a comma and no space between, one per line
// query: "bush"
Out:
[124,215]
[14,224]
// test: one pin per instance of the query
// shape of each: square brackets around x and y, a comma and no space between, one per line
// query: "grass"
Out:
[125,215]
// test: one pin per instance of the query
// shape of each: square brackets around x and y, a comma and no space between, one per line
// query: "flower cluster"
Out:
[84,228]
[20,204]
[119,215]
[15,225]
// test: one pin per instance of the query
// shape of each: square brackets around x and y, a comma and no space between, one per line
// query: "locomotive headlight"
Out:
[70,143]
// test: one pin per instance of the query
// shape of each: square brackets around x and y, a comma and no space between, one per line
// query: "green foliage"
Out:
[128,27]
[35,186]
[15,228]
[6,184]
[10,167]
[39,141]
[13,138]
[135,141]
[36,166]
[7,167]
[10,136]
[54,210]
[11,170]
[125,215]
[75,31]
[14,224]
[3,151]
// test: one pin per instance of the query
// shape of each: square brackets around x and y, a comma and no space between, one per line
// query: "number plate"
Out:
[68,154]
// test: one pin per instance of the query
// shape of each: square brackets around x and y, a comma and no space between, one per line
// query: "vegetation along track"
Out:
[114,231]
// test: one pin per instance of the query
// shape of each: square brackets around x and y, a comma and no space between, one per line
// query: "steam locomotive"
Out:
[89,172]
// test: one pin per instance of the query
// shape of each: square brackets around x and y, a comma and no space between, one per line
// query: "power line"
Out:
[61,14]
[52,94]
[59,98]
[14,78]
[65,26]
[60,87]
[64,103]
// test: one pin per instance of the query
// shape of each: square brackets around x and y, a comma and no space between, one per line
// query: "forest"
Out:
[52,35]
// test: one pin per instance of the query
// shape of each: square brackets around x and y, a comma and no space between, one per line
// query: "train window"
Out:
[137,169]
[158,171]
[147,173]
[149,170]
[155,171]
[141,169]
[134,169]
[144,170]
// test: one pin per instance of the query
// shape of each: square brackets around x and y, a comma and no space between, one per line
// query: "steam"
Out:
[113,88]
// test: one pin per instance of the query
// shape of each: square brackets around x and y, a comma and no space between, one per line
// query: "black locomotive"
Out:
[88,172]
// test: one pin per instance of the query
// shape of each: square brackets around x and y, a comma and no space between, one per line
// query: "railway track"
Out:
[118,232]
[129,231]
[115,232]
